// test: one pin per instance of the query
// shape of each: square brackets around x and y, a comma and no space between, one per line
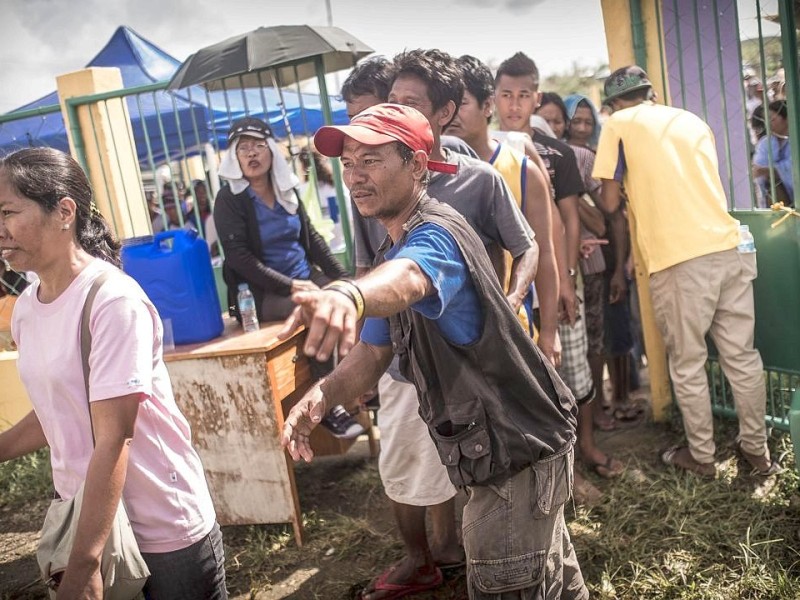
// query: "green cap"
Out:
[624,80]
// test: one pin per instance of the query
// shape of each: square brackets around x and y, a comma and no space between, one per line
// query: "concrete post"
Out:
[619,37]
[107,139]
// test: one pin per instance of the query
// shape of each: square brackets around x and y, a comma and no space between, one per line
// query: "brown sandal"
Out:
[761,464]
[680,457]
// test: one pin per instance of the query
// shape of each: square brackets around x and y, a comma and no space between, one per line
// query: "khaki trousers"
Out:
[712,294]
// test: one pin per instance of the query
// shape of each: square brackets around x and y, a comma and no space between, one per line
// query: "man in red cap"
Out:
[421,495]
[502,420]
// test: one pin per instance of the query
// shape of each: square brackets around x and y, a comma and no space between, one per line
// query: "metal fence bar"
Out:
[227,103]
[724,99]
[679,40]
[337,172]
[244,95]
[214,134]
[778,398]
[150,159]
[763,59]
[264,104]
[699,56]
[187,167]
[282,104]
[660,29]
[201,143]
[746,124]
[18,115]
[175,191]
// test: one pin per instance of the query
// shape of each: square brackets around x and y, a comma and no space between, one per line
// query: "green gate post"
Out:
[790,63]
[786,10]
[327,114]
[794,428]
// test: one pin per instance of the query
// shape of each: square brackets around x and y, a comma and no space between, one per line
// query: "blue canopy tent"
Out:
[170,124]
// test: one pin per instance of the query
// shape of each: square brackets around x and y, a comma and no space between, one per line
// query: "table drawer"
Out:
[288,369]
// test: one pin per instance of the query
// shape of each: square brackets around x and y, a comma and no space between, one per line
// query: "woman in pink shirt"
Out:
[142,452]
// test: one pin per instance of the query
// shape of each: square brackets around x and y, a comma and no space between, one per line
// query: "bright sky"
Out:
[40,39]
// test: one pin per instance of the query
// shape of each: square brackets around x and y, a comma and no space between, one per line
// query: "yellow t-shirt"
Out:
[667,160]
[512,166]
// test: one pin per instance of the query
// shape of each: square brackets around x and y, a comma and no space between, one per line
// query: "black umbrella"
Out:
[293,52]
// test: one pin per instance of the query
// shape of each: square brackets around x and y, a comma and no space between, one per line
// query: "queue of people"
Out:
[492,290]
[427,295]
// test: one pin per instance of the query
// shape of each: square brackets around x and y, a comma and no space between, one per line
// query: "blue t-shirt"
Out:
[280,239]
[781,161]
[454,306]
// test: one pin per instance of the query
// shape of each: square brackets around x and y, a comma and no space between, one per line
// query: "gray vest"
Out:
[495,406]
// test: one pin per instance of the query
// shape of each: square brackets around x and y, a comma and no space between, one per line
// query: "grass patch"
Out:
[658,534]
[666,534]
[25,479]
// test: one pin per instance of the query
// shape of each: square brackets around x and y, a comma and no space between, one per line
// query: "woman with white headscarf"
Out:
[265,233]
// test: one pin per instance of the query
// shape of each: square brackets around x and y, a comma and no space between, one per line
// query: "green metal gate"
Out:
[723,57]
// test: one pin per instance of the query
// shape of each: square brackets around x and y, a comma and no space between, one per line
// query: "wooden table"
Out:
[235,391]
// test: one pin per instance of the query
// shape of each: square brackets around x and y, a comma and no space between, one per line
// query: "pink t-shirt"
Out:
[165,492]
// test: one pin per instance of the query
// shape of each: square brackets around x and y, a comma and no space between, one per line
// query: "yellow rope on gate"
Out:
[779,207]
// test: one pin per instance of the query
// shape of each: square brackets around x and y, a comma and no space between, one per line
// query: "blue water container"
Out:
[174,270]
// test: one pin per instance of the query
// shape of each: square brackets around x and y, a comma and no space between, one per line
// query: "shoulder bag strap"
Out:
[86,337]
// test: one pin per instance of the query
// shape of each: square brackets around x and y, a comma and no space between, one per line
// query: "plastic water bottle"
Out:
[747,245]
[247,308]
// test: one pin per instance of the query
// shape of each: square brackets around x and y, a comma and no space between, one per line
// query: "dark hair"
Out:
[373,76]
[321,165]
[553,98]
[407,155]
[477,77]
[46,175]
[780,107]
[519,65]
[405,152]
[757,121]
[438,71]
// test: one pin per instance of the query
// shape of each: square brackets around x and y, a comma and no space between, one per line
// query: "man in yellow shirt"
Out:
[700,283]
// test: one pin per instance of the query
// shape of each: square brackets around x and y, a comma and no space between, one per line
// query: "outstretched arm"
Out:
[353,377]
[330,316]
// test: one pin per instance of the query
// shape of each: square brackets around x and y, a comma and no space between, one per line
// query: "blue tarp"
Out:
[172,123]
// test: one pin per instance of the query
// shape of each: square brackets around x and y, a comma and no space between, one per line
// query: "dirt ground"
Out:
[19,534]
[346,489]
[350,532]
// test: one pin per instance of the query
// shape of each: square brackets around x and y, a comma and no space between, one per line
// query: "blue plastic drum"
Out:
[174,270]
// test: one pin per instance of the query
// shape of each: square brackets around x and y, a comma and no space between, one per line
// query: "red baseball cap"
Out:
[383,124]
